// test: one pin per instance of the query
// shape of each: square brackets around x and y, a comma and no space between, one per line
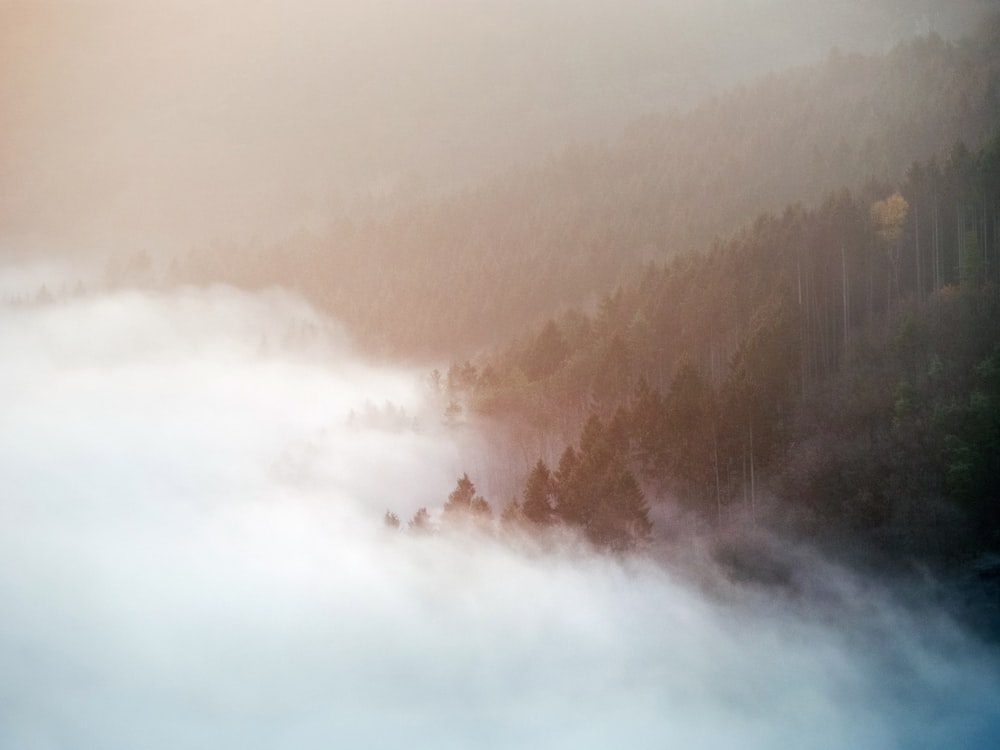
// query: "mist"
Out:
[157,125]
[194,479]
[192,554]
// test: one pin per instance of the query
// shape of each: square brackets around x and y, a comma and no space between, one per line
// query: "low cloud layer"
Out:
[192,555]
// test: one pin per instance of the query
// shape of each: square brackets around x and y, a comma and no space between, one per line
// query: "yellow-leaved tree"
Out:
[889,216]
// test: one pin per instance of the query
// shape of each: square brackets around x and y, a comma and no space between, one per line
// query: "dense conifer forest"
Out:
[831,369]
[800,328]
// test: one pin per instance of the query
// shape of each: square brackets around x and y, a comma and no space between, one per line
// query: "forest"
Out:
[829,370]
[775,308]
[447,276]
[803,271]
[500,374]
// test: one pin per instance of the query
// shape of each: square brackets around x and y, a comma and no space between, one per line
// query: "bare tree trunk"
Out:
[843,289]
[959,244]
[892,276]
[730,492]
[916,236]
[986,245]
[746,486]
[935,247]
[753,487]
[718,489]
[871,289]
[996,245]
[804,317]
[798,275]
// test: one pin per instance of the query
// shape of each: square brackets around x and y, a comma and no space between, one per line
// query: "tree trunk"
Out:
[933,248]
[916,236]
[753,487]
[843,290]
[718,489]
[871,289]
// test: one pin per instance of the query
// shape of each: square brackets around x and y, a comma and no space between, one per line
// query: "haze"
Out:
[728,494]
[152,125]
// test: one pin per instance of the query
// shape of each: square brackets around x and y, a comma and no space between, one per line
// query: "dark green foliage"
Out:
[972,452]
[566,491]
[795,360]
[598,493]
[760,390]
[571,494]
[649,428]
[688,425]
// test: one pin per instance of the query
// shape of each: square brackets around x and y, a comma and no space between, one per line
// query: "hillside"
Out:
[830,371]
[458,273]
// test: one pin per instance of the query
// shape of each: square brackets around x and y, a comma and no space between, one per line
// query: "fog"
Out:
[192,555]
[192,551]
[146,124]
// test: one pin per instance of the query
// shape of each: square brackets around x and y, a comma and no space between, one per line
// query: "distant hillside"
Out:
[140,123]
[453,275]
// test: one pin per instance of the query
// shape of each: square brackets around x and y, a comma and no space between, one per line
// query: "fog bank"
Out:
[192,555]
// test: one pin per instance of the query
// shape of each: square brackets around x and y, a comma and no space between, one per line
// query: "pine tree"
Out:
[539,495]
[464,505]
[420,523]
[598,493]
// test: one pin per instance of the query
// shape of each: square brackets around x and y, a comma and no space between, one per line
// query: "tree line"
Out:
[593,491]
[836,365]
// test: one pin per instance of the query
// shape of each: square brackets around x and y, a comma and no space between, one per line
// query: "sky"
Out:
[155,125]
[192,554]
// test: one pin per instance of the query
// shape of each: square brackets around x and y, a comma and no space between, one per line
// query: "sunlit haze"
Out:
[499,374]
[158,123]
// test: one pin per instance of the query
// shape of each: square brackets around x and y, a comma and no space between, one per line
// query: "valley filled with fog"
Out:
[550,374]
[193,553]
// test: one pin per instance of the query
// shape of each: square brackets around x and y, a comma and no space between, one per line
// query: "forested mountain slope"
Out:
[833,370]
[455,274]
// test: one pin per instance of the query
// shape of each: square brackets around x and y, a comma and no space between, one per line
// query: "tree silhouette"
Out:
[464,505]
[539,495]
[421,522]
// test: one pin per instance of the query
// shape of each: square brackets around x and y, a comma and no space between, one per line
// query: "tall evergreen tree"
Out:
[539,495]
[598,493]
[464,505]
